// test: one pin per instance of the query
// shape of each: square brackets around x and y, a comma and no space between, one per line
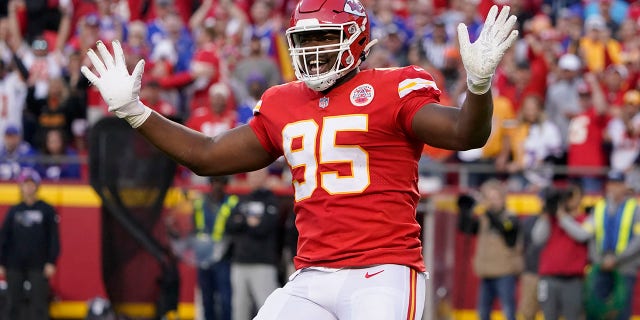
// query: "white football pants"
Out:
[381,292]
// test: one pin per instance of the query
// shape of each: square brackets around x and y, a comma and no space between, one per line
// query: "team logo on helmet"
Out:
[354,7]
[362,95]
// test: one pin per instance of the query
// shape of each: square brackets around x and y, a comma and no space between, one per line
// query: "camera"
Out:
[555,199]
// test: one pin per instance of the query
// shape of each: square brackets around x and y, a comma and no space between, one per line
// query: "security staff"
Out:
[614,248]
[213,253]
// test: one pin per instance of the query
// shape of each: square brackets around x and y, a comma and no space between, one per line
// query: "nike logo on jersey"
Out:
[368,275]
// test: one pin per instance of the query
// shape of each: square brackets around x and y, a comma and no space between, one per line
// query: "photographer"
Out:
[498,258]
[564,255]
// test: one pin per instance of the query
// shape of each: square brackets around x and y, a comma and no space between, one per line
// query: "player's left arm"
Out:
[469,126]
[455,128]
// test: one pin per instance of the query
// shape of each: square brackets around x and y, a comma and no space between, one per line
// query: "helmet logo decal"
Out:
[362,95]
[323,103]
[354,7]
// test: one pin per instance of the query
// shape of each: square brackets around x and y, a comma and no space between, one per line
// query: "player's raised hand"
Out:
[481,58]
[118,88]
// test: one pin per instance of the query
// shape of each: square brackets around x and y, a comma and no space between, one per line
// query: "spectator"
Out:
[58,160]
[151,95]
[216,117]
[54,111]
[264,27]
[84,34]
[517,80]
[396,41]
[228,23]
[14,91]
[498,257]
[76,101]
[256,86]
[30,245]
[37,17]
[255,64]
[254,227]
[210,215]
[626,35]
[380,58]
[623,133]
[614,247]
[597,49]
[586,136]
[203,70]
[168,25]
[437,44]
[540,49]
[137,38]
[569,26]
[535,143]
[562,101]
[15,154]
[559,9]
[42,66]
[112,25]
[614,12]
[564,255]
[615,84]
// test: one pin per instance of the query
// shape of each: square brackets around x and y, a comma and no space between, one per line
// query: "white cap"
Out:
[569,62]
[595,21]
[219,88]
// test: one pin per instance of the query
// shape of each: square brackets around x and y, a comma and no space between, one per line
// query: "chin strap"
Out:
[367,49]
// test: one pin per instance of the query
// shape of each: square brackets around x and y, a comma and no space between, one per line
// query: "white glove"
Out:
[118,88]
[481,58]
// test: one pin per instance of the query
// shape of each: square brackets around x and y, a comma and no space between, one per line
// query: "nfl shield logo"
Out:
[324,102]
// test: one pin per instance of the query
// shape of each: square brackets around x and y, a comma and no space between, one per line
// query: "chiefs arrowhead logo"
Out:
[354,7]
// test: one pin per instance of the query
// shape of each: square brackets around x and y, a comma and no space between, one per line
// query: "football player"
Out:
[352,140]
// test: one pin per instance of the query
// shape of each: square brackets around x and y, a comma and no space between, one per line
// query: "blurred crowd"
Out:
[566,96]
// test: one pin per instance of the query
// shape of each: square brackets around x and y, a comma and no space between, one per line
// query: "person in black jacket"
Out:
[253,226]
[29,249]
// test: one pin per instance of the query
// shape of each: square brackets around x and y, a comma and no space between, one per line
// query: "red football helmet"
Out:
[345,17]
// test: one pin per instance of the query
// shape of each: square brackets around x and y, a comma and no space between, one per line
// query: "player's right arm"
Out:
[237,150]
[234,151]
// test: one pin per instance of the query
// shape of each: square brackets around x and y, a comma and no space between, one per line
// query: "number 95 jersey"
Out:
[354,163]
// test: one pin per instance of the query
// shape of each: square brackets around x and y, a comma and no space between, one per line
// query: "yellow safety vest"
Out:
[624,231]
[221,217]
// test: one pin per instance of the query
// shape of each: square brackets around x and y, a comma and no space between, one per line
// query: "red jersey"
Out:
[210,123]
[563,256]
[585,137]
[354,164]
[206,55]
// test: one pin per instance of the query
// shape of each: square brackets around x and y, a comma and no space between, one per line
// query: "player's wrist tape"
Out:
[138,119]
[478,85]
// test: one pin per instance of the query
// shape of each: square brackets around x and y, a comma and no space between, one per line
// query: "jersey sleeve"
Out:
[259,125]
[416,88]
